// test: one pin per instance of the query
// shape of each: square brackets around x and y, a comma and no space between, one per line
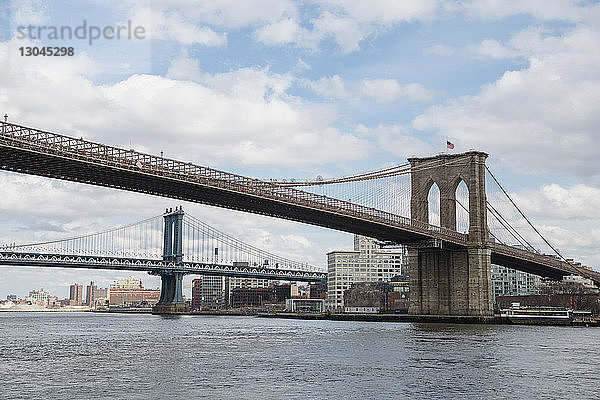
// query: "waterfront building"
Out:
[398,295]
[368,262]
[65,302]
[274,295]
[252,297]
[39,297]
[130,282]
[130,292]
[76,294]
[510,282]
[208,291]
[317,291]
[54,302]
[103,297]
[577,280]
[285,291]
[573,301]
[134,297]
[11,297]
[379,296]
[304,305]
[103,293]
[91,293]
[233,283]
[303,291]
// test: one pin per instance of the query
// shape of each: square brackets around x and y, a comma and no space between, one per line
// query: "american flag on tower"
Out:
[449,145]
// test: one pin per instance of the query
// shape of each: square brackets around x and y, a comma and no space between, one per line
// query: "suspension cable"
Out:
[509,228]
[402,169]
[523,215]
[90,236]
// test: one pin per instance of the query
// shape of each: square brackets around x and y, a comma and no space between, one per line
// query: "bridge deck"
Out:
[36,152]
[32,151]
[156,266]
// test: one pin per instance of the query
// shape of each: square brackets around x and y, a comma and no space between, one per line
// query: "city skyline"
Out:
[84,285]
[324,88]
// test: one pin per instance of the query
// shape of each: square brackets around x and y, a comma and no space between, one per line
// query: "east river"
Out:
[119,356]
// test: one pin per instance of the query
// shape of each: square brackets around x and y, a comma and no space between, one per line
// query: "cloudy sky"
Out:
[277,88]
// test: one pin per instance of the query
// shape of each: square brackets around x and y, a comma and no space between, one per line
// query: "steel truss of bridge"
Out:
[156,267]
[36,152]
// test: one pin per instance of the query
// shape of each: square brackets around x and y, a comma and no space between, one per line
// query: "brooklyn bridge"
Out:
[449,210]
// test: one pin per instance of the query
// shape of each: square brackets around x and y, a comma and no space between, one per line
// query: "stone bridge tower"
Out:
[451,280]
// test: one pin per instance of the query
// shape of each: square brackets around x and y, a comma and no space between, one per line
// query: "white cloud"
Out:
[493,49]
[418,93]
[175,26]
[29,12]
[228,13]
[185,68]
[385,12]
[278,33]
[566,216]
[557,202]
[539,119]
[347,23]
[345,31]
[331,87]
[397,140]
[440,50]
[388,90]
[244,116]
[546,10]
[382,90]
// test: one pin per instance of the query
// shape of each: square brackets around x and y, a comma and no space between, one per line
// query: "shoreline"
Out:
[397,318]
[408,318]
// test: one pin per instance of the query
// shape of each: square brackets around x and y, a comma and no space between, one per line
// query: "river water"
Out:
[119,356]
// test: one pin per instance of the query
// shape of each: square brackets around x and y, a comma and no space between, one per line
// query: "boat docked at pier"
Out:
[518,314]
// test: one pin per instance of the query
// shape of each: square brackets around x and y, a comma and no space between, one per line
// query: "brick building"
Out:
[368,262]
[131,292]
[252,297]
[208,292]
[317,291]
[381,296]
[134,297]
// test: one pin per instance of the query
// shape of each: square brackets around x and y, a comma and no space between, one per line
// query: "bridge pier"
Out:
[450,282]
[445,279]
[171,295]
[171,292]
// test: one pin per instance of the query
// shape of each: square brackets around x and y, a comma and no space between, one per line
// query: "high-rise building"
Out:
[208,291]
[510,282]
[76,294]
[91,294]
[368,262]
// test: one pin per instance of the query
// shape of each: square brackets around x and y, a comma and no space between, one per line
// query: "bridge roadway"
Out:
[36,152]
[156,266]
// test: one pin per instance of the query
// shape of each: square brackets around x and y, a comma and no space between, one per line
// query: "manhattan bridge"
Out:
[450,211]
